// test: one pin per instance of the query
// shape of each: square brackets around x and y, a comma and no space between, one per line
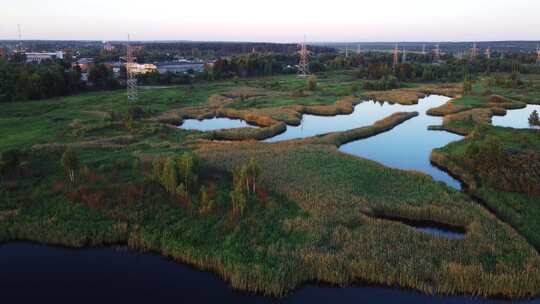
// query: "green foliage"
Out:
[534,120]
[467,86]
[312,83]
[387,82]
[70,163]
[21,81]
[9,162]
[102,77]
[178,175]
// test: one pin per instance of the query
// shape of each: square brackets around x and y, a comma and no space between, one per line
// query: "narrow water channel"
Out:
[33,274]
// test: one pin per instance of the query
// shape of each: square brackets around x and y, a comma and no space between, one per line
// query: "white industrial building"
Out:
[39,57]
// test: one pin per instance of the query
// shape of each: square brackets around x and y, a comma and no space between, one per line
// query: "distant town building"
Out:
[83,64]
[39,57]
[3,54]
[108,47]
[180,66]
[136,68]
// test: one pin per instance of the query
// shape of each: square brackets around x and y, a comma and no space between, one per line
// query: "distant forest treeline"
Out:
[23,81]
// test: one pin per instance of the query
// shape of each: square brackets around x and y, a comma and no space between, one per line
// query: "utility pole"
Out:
[396,57]
[404,58]
[131,80]
[347,51]
[303,65]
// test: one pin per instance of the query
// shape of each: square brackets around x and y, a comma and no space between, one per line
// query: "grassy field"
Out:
[319,221]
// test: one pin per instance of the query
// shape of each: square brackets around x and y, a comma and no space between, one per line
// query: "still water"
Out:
[40,274]
[408,146]
[212,124]
[518,119]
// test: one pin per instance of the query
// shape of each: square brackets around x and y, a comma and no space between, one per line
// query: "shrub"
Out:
[70,162]
[312,83]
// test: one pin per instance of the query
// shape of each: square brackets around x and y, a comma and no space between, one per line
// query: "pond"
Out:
[518,119]
[212,124]
[429,227]
[409,145]
[34,273]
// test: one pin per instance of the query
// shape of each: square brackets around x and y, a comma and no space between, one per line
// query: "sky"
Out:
[272,20]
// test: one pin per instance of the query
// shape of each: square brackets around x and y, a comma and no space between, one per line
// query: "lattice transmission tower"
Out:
[131,79]
[474,52]
[20,47]
[404,57]
[488,53]
[303,65]
[396,57]
[437,53]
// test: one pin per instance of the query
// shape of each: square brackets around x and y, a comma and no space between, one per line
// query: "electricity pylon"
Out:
[303,65]
[131,80]
[474,52]
[396,57]
[437,53]
[488,53]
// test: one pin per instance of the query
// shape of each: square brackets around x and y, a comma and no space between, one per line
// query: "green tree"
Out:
[534,120]
[312,83]
[169,177]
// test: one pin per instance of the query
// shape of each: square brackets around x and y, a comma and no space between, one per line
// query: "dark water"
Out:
[430,227]
[40,274]
[408,146]
[518,119]
[441,232]
[214,124]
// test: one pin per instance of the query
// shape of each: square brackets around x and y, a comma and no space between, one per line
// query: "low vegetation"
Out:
[92,170]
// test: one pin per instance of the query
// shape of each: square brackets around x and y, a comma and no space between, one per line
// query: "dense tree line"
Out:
[22,81]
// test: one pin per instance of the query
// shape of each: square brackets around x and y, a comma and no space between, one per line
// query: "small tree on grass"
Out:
[312,83]
[467,86]
[253,172]
[70,162]
[207,205]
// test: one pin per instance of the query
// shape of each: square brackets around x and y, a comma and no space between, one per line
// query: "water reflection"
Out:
[213,124]
[32,274]
[409,145]
[518,119]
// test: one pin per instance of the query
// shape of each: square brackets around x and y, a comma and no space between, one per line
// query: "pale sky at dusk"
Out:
[275,20]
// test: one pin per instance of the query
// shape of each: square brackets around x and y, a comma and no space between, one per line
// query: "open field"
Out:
[322,217]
